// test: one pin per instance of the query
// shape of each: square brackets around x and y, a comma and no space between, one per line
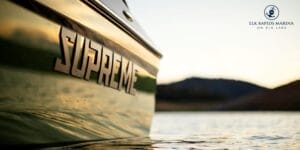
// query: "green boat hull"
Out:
[40,104]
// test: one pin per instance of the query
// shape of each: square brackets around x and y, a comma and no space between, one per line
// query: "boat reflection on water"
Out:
[128,143]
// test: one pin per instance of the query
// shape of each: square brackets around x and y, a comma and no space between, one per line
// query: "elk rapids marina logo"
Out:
[272,20]
[271,12]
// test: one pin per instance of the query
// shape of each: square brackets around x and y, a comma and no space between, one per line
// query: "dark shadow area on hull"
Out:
[21,56]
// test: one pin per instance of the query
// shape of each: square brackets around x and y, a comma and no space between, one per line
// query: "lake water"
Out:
[214,130]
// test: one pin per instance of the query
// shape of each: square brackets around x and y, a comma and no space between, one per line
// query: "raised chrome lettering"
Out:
[93,58]
[125,75]
[106,65]
[64,64]
[79,51]
[113,70]
[133,80]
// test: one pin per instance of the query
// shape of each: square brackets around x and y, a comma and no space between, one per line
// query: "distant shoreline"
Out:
[197,94]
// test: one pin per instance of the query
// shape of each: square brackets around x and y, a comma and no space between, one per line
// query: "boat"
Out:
[74,71]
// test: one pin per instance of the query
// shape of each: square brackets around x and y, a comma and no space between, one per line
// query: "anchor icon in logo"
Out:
[271,12]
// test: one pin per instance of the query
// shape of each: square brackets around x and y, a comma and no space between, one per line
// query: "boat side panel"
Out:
[39,105]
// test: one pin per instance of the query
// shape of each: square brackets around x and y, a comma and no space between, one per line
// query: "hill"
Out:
[200,89]
[223,94]
[286,97]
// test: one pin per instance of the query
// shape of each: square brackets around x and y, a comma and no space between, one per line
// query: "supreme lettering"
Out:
[81,56]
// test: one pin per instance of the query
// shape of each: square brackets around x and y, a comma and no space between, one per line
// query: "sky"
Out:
[213,39]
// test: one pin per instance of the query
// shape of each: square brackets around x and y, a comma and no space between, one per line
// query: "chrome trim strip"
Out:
[124,25]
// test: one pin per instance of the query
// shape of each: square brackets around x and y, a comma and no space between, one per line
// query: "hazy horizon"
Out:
[213,39]
[220,78]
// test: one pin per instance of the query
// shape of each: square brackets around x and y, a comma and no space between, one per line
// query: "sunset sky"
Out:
[213,39]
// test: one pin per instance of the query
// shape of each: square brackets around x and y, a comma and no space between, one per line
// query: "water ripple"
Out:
[266,137]
[210,131]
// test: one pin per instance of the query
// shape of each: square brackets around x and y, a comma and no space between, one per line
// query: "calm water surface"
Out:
[214,130]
